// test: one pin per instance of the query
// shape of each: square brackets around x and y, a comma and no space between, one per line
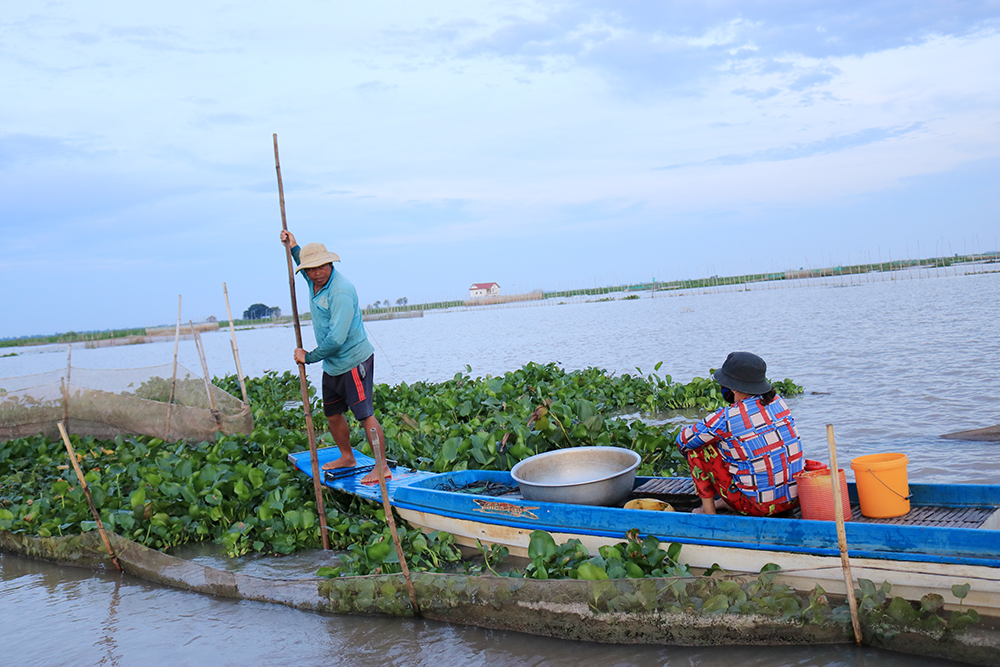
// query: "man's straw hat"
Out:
[315,254]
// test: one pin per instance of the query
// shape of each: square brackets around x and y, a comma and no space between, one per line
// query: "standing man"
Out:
[342,345]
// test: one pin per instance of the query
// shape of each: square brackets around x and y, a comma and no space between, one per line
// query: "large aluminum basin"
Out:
[578,475]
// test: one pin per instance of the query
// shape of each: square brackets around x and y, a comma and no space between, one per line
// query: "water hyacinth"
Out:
[241,492]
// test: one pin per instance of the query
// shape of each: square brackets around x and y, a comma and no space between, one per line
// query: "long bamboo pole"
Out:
[303,385]
[236,350]
[838,510]
[387,507]
[86,492]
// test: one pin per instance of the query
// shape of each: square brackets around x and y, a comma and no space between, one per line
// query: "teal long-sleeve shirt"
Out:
[341,341]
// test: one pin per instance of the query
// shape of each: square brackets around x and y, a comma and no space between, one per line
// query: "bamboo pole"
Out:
[173,381]
[86,492]
[69,368]
[303,385]
[842,535]
[387,507]
[236,350]
[204,371]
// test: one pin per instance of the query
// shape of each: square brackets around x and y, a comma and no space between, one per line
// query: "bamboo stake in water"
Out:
[173,382]
[387,508]
[838,510]
[303,385]
[236,350]
[69,368]
[86,492]
[208,381]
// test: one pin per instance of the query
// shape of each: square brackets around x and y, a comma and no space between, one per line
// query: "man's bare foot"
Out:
[344,461]
[372,477]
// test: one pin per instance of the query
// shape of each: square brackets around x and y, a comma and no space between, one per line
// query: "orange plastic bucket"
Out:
[883,489]
[816,495]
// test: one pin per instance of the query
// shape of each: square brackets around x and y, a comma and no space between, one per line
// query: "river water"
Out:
[892,363]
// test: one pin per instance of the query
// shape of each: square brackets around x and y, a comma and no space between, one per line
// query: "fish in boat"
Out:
[951,535]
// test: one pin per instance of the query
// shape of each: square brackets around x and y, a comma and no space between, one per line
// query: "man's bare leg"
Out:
[341,433]
[368,425]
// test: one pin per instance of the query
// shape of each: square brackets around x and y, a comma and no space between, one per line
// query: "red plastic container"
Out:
[816,495]
[815,465]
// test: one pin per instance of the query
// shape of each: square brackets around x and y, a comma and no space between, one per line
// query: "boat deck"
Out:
[681,492]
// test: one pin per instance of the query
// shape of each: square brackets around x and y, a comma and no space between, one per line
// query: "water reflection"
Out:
[108,640]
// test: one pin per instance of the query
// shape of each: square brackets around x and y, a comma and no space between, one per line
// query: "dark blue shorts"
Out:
[352,389]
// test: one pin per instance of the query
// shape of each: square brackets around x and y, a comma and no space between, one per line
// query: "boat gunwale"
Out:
[954,545]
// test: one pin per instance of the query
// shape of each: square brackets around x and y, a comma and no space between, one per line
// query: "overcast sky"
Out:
[540,145]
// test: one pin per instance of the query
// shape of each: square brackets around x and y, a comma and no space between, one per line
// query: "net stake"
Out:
[86,492]
[236,350]
[208,383]
[838,510]
[387,508]
[173,381]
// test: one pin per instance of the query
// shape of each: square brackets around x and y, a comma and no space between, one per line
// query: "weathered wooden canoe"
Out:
[950,536]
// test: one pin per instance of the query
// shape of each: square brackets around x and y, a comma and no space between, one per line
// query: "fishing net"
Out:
[106,403]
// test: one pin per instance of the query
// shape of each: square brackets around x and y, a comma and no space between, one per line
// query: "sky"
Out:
[540,145]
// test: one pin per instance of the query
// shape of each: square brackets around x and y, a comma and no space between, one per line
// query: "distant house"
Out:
[479,290]
[211,318]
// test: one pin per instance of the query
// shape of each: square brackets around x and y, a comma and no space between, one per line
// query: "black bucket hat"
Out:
[744,372]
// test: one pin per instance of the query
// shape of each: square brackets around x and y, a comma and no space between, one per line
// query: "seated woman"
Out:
[749,452]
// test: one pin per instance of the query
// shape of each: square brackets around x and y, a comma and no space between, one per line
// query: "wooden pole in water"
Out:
[86,492]
[208,381]
[842,535]
[236,350]
[173,382]
[69,368]
[387,508]
[303,385]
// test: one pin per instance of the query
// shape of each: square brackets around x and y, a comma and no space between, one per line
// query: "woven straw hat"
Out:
[315,254]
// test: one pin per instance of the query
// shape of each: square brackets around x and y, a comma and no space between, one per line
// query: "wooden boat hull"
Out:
[803,572]
[915,559]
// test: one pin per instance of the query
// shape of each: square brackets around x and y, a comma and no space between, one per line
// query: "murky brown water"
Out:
[894,364]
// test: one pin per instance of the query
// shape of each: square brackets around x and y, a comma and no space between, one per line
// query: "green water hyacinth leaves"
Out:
[241,492]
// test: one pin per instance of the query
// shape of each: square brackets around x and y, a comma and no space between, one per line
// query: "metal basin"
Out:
[578,475]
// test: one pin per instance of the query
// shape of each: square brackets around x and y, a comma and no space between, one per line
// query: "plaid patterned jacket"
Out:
[760,444]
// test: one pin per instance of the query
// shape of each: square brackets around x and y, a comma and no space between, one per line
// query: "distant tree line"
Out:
[259,311]
[401,301]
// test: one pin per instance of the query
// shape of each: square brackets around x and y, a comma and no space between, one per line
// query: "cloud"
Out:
[825,146]
[23,149]
[816,77]
[375,87]
[225,119]
[642,46]
[757,94]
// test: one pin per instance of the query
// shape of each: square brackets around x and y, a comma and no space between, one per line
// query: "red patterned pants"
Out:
[711,477]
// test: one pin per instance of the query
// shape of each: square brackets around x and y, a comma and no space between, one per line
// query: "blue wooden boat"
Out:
[950,536]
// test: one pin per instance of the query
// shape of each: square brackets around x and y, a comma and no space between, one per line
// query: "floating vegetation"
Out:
[241,492]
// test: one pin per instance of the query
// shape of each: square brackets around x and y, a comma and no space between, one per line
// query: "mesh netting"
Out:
[105,403]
